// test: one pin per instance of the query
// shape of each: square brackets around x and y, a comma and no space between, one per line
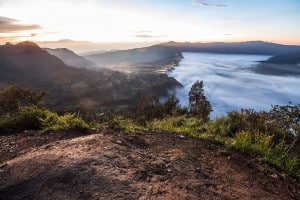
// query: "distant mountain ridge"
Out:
[134,56]
[251,47]
[166,50]
[70,58]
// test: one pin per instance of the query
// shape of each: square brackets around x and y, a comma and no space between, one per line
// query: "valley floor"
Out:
[149,165]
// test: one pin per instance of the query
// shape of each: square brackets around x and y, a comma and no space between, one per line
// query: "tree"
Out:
[171,104]
[198,103]
[149,107]
[17,96]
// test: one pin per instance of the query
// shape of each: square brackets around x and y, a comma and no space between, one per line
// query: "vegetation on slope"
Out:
[271,136]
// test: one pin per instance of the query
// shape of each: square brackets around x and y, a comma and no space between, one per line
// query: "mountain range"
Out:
[136,56]
[70,58]
[72,81]
[73,88]
[251,47]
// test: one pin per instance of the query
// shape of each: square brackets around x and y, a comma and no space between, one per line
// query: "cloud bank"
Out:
[230,84]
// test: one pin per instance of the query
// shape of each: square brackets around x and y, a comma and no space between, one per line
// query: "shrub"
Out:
[257,143]
[69,121]
[115,124]
[252,121]
[16,97]
[170,104]
[149,107]
[261,145]
[182,124]
[27,118]
[179,111]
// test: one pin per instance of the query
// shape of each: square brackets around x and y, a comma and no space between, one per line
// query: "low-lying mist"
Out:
[230,84]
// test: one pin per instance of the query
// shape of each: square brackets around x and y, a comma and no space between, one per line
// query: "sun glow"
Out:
[145,21]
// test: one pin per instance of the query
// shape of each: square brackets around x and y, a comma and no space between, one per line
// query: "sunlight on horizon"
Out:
[133,21]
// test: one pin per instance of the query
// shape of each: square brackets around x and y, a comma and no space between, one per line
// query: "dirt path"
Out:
[138,166]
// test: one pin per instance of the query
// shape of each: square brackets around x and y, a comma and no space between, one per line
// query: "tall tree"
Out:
[198,103]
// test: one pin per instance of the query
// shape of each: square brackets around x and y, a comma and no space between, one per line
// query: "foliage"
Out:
[181,124]
[26,118]
[69,121]
[16,96]
[171,104]
[150,107]
[287,117]
[121,123]
[259,144]
[198,103]
[268,123]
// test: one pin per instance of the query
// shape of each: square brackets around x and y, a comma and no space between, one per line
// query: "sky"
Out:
[113,23]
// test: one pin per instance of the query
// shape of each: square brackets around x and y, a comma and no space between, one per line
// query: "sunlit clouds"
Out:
[133,21]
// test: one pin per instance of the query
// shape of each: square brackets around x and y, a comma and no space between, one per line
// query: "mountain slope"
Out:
[70,58]
[27,61]
[72,88]
[136,56]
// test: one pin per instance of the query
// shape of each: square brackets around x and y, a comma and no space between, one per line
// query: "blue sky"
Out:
[144,21]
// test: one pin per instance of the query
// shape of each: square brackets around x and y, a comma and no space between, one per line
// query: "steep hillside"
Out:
[70,58]
[28,62]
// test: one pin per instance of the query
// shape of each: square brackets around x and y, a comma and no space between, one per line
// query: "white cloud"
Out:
[209,3]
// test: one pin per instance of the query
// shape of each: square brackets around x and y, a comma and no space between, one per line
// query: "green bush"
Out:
[150,107]
[252,121]
[179,111]
[15,97]
[52,121]
[257,143]
[115,124]
[27,118]
[261,145]
[182,124]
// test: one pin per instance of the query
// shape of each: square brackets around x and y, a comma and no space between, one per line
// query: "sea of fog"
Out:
[230,84]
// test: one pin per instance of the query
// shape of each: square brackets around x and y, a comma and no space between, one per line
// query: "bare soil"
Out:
[149,165]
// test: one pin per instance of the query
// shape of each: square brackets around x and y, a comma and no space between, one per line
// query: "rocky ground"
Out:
[149,165]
